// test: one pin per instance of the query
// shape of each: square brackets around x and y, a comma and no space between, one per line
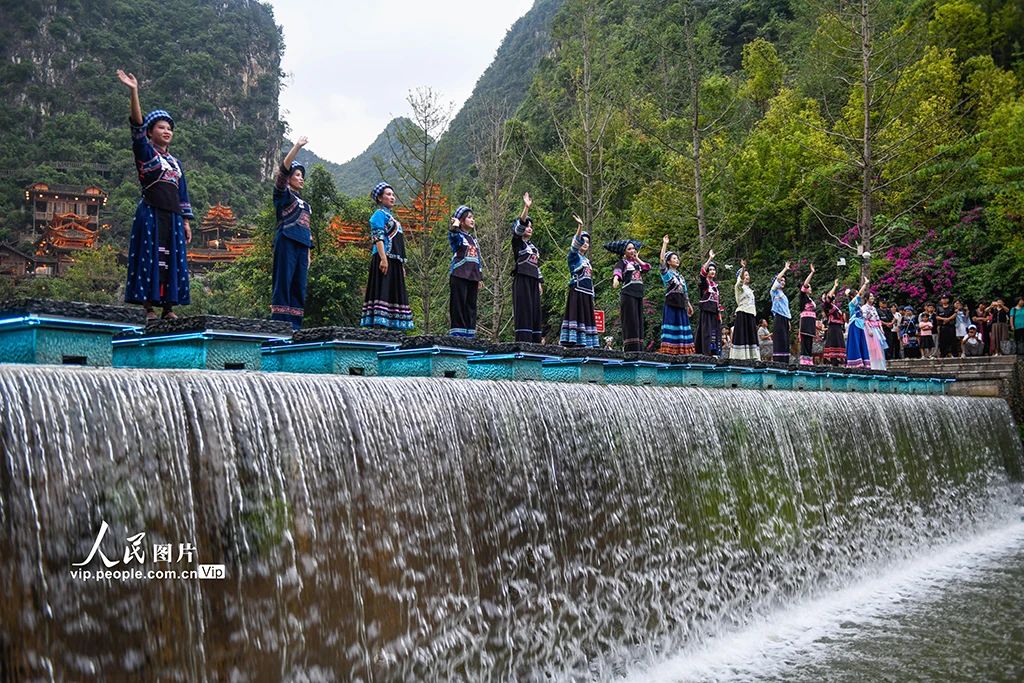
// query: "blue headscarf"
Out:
[154,116]
[378,190]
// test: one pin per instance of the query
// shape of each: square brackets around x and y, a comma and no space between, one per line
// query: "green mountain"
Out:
[214,64]
[504,83]
[358,175]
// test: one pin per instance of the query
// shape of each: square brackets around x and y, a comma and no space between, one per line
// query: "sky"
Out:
[350,64]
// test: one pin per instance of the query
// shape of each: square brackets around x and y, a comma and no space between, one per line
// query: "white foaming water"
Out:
[815,629]
[383,529]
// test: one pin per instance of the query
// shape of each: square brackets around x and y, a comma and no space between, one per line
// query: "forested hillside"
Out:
[741,127]
[503,86]
[214,64]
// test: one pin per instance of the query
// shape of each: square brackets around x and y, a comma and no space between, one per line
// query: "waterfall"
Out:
[381,529]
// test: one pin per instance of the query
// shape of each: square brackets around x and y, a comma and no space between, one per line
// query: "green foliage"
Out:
[764,71]
[94,277]
[214,65]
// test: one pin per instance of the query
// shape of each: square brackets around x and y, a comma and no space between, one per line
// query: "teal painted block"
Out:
[516,367]
[192,351]
[339,357]
[18,345]
[76,347]
[920,385]
[713,377]
[585,370]
[753,379]
[783,380]
[837,382]
[638,373]
[802,381]
[732,378]
[433,361]
[683,375]
[860,384]
[50,340]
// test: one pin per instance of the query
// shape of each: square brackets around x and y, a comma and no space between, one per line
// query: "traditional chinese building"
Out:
[218,240]
[14,262]
[66,234]
[49,201]
[436,204]
[411,218]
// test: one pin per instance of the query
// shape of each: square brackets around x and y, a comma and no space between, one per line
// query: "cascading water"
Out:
[416,529]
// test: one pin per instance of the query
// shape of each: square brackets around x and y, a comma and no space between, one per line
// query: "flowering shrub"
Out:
[917,272]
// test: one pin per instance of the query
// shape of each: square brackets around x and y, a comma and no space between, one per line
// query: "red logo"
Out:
[599,320]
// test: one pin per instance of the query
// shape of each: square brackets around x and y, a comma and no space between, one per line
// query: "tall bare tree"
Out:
[499,162]
[871,50]
[688,54]
[581,107]
[416,159]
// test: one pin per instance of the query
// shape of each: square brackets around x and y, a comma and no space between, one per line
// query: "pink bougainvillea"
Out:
[918,272]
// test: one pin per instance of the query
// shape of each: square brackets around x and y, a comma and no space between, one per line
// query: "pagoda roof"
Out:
[58,188]
[219,212]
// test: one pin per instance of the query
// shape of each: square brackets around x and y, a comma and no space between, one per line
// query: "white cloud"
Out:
[350,65]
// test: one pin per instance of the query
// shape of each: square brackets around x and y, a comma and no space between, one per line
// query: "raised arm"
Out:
[132,84]
[664,250]
[293,152]
[863,288]
[711,257]
[835,286]
[527,203]
[807,280]
[782,272]
[739,272]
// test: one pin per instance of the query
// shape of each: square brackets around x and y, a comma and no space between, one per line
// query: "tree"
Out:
[417,160]
[885,129]
[499,162]
[580,103]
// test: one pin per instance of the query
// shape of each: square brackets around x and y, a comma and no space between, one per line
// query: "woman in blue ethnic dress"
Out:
[386,304]
[157,255]
[578,327]
[857,353]
[527,280]
[781,315]
[293,241]
[464,274]
[676,333]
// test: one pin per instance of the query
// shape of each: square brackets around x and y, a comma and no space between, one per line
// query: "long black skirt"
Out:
[780,340]
[710,333]
[387,301]
[526,311]
[744,337]
[835,344]
[462,306]
[578,325]
[632,316]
